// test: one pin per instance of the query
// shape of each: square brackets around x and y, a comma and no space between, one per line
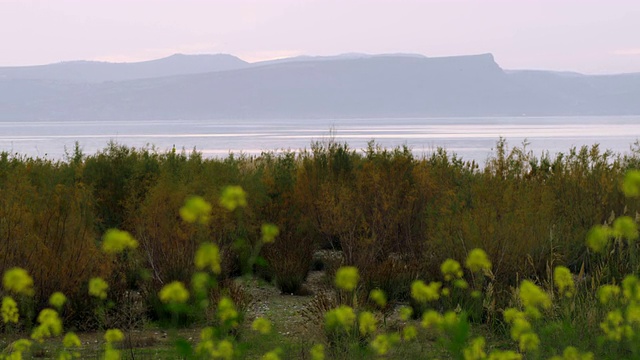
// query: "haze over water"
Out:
[469,138]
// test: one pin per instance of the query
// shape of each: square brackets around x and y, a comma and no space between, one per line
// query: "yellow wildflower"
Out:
[423,293]
[21,345]
[224,350]
[200,282]
[625,227]
[50,325]
[612,326]
[533,296]
[519,327]
[113,335]
[227,311]
[111,354]
[631,287]
[341,317]
[174,292]
[208,255]
[116,241]
[378,296]
[98,288]
[18,281]
[529,342]
[405,312]
[431,318]
[367,323]
[409,333]
[564,281]
[261,325]
[571,353]
[504,355]
[631,183]
[608,292]
[451,269]
[347,278]
[269,233]
[196,209]
[511,314]
[460,283]
[71,340]
[478,261]
[598,238]
[475,350]
[633,314]
[272,355]
[317,352]
[57,299]
[233,197]
[383,343]
[9,310]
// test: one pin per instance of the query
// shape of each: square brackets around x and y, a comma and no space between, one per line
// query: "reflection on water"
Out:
[470,138]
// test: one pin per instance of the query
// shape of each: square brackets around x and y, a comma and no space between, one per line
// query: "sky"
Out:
[588,36]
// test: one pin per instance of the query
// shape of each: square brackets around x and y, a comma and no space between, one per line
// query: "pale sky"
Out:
[579,35]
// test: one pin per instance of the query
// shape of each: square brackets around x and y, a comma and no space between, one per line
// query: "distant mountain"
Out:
[95,71]
[344,86]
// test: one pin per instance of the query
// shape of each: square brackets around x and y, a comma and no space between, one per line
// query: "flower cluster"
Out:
[196,209]
[17,280]
[347,278]
[116,241]
[233,197]
[421,292]
[174,293]
[208,256]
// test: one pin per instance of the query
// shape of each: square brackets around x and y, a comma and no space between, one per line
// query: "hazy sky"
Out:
[582,35]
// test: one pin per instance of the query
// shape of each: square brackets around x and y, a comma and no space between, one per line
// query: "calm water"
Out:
[470,138]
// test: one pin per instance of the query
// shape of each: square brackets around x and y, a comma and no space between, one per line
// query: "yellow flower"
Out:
[511,314]
[460,283]
[233,197]
[533,296]
[21,345]
[269,233]
[208,255]
[111,354]
[571,353]
[196,209]
[405,313]
[378,297]
[18,281]
[113,335]
[261,325]
[227,311]
[71,340]
[598,238]
[608,292]
[475,350]
[116,241]
[341,317]
[57,299]
[631,287]
[631,183]
[409,333]
[347,278]
[50,325]
[478,261]
[625,227]
[504,355]
[317,352]
[383,343]
[633,314]
[564,281]
[519,327]
[98,288]
[9,310]
[612,326]
[224,350]
[174,292]
[200,282]
[367,323]
[451,269]
[431,319]
[423,293]
[529,342]
[272,355]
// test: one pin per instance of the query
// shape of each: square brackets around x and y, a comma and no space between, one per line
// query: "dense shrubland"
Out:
[396,219]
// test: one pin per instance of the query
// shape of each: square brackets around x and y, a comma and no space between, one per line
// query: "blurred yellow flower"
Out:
[341,317]
[529,342]
[116,241]
[383,343]
[174,292]
[71,340]
[625,227]
[272,355]
[613,325]
[113,335]
[227,312]
[9,310]
[631,183]
[261,325]
[57,299]
[431,319]
[504,355]
[475,350]
[98,288]
[477,260]
[405,313]
[17,280]
[233,197]
[563,281]
[367,323]
[533,296]
[200,282]
[196,209]
[208,255]
[631,287]
[269,233]
[317,352]
[598,238]
[378,296]
[50,325]
[347,278]
[421,292]
[409,333]
[451,269]
[607,292]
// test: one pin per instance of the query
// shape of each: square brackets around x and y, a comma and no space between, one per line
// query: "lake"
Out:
[470,138]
